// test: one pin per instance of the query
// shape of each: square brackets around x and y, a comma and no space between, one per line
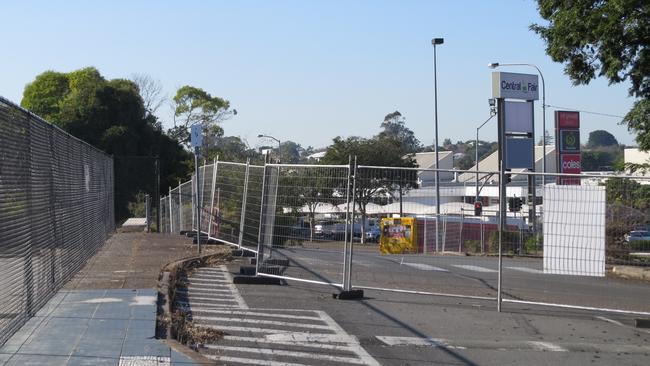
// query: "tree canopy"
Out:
[394,127]
[111,115]
[601,138]
[374,184]
[610,39]
[194,105]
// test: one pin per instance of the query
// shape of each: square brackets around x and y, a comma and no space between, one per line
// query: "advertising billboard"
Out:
[515,86]
[567,144]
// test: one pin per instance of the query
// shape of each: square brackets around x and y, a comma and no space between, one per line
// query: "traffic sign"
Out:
[196,133]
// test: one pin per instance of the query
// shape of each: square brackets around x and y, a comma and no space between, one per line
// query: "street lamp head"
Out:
[436,41]
[493,65]
[260,135]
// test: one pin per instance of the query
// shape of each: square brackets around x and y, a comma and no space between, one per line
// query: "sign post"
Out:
[197,140]
[516,141]
[567,144]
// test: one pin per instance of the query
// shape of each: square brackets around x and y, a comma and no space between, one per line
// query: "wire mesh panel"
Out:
[585,226]
[175,210]
[164,215]
[402,243]
[227,199]
[253,206]
[56,210]
[186,206]
[304,222]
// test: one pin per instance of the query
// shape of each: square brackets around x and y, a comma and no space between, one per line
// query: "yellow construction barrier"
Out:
[398,236]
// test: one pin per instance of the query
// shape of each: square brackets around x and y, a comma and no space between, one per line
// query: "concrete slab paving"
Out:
[89,328]
[106,314]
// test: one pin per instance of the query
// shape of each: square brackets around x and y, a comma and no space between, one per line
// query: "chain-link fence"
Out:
[56,210]
[382,228]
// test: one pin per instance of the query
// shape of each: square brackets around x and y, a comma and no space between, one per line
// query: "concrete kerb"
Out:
[630,272]
[172,324]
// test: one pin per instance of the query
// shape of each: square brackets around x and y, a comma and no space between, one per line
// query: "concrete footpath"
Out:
[106,315]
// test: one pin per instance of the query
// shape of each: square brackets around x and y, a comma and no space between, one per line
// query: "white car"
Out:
[637,235]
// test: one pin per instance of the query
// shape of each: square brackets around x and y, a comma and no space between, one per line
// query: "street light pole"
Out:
[494,65]
[435,42]
[492,114]
[276,140]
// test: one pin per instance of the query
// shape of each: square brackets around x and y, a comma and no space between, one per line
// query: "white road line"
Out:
[207,270]
[275,352]
[258,321]
[425,267]
[546,346]
[235,292]
[253,313]
[205,287]
[206,304]
[192,298]
[417,341]
[296,337]
[360,351]
[610,321]
[247,329]
[474,268]
[224,290]
[207,280]
[269,339]
[526,269]
[252,361]
[205,276]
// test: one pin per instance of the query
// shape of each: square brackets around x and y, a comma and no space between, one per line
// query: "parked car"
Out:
[637,235]
[373,234]
[320,226]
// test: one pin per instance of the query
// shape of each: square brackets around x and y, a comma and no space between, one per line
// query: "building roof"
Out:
[427,160]
[491,164]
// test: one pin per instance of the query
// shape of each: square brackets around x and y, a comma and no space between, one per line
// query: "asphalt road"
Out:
[408,329]
[523,278]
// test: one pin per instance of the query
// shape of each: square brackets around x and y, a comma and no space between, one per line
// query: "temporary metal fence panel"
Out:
[253,207]
[164,215]
[56,210]
[304,222]
[226,202]
[175,210]
[402,243]
[186,206]
[302,219]
[584,229]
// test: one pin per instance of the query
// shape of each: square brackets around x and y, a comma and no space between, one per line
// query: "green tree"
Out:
[194,105]
[547,140]
[110,115]
[593,160]
[394,127]
[290,152]
[601,138]
[376,183]
[595,38]
[232,148]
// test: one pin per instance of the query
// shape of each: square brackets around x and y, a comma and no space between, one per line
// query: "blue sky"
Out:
[306,71]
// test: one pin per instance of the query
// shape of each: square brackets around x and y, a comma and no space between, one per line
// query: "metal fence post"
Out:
[243,207]
[347,226]
[347,285]
[260,247]
[215,165]
[147,208]
[171,212]
[180,207]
